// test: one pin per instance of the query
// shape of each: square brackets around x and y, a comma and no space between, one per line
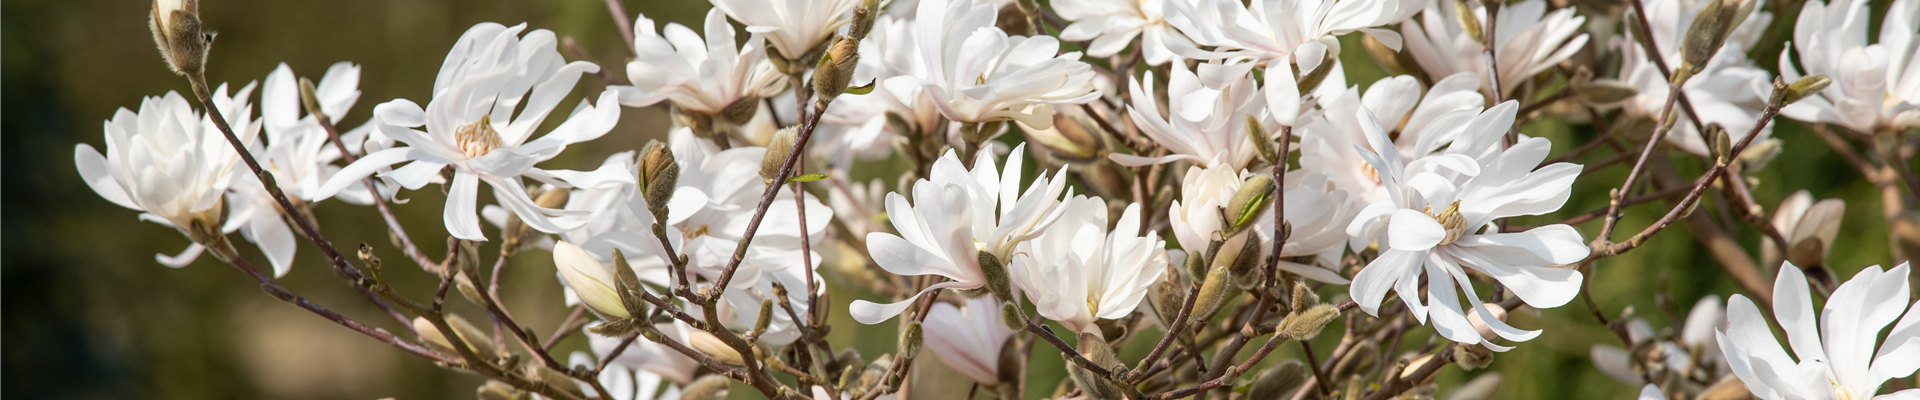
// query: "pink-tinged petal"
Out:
[867,312]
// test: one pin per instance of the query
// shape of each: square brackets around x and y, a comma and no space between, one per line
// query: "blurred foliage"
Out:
[88,314]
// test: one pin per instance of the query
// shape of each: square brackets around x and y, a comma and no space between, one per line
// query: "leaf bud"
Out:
[835,70]
[1262,143]
[1606,92]
[764,320]
[777,150]
[1279,381]
[710,387]
[998,282]
[1196,266]
[911,340]
[1306,325]
[1252,199]
[1799,89]
[1303,298]
[1011,315]
[1213,293]
[1708,33]
[176,30]
[1722,143]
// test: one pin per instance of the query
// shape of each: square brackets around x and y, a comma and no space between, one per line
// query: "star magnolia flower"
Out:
[1437,219]
[1318,212]
[1078,271]
[698,76]
[793,27]
[1528,40]
[1206,124]
[1836,349]
[956,216]
[1695,344]
[1273,29]
[976,73]
[968,340]
[170,163]
[472,127]
[1112,24]
[1424,124]
[868,125]
[1810,228]
[1875,86]
[1729,91]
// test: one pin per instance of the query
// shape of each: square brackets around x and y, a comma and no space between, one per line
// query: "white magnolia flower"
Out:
[968,339]
[1651,392]
[471,126]
[1112,24]
[861,124]
[1695,344]
[1837,351]
[1078,271]
[1808,226]
[1730,90]
[1439,217]
[696,75]
[956,216]
[1528,40]
[1875,86]
[1424,124]
[976,73]
[1207,121]
[1319,214]
[1275,29]
[170,163]
[793,27]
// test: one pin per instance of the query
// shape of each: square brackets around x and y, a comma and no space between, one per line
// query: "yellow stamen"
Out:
[1449,218]
[477,139]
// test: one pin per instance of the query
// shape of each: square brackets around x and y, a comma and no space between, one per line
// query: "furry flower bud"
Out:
[1261,144]
[1606,92]
[1213,293]
[1278,381]
[1799,89]
[1709,31]
[835,70]
[1306,325]
[912,339]
[777,150]
[1101,354]
[176,30]
[1249,202]
[711,387]
[659,174]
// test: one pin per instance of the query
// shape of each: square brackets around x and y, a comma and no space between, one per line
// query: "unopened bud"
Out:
[710,387]
[1709,31]
[496,390]
[591,281]
[1100,354]
[1262,145]
[835,70]
[1245,266]
[764,320]
[1722,143]
[1010,314]
[1472,357]
[1469,21]
[309,100]
[1303,298]
[472,336]
[863,17]
[1279,381]
[1252,199]
[1197,266]
[176,30]
[1480,324]
[659,174]
[1799,89]
[980,132]
[777,150]
[711,345]
[1213,293]
[552,378]
[740,111]
[1164,298]
[911,339]
[1306,325]
[998,282]
[1606,92]
[1012,361]
[1071,138]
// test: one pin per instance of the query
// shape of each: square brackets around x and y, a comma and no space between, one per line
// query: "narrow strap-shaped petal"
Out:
[867,312]
[460,213]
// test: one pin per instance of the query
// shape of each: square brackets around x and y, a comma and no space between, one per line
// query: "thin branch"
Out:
[383,336]
[620,22]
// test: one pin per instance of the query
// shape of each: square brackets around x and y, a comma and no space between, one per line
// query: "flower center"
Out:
[1449,218]
[478,138]
[1842,392]
[1367,168]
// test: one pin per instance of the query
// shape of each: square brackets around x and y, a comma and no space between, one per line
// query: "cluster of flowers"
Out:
[1402,188]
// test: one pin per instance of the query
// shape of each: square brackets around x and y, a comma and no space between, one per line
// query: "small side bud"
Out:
[1246,263]
[311,101]
[835,70]
[998,282]
[1262,145]
[278,292]
[1011,315]
[590,280]
[176,30]
[1306,325]
[1799,89]
[777,150]
[1196,266]
[1303,298]
[710,345]
[1606,93]
[911,340]
[659,174]
[1213,293]
[764,320]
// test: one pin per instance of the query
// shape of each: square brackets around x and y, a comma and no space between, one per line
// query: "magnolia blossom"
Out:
[1730,90]
[1695,338]
[868,125]
[471,126]
[1528,40]
[1875,86]
[1078,271]
[1206,124]
[956,216]
[1810,228]
[968,339]
[699,76]
[975,73]
[1273,29]
[1423,123]
[793,27]
[1837,352]
[1438,217]
[170,163]
[1318,212]
[1112,24]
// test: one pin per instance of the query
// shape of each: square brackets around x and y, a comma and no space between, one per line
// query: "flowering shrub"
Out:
[1195,177]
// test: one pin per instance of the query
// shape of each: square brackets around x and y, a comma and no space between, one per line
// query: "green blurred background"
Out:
[88,314]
